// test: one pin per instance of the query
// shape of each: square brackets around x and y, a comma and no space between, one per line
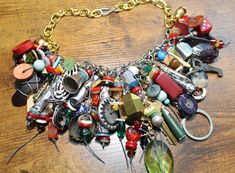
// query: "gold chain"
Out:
[169,19]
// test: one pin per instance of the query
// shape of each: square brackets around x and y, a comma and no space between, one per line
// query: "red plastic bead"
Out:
[89,72]
[52,131]
[95,100]
[96,90]
[182,27]
[173,35]
[23,47]
[50,69]
[136,89]
[132,137]
[185,19]
[108,78]
[167,84]
[95,116]
[156,74]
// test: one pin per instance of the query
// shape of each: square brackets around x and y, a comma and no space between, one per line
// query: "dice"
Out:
[204,28]
[201,24]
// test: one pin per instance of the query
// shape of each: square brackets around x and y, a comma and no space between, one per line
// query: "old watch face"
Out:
[107,115]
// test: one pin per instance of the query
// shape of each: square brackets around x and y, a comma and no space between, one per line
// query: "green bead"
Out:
[147,69]
[175,128]
[30,58]
[121,130]
[133,107]
[86,134]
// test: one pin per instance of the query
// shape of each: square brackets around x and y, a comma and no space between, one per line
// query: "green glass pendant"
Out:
[158,158]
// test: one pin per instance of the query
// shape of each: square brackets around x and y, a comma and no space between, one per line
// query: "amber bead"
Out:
[174,64]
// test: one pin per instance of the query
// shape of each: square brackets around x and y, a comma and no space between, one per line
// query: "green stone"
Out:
[121,130]
[133,107]
[158,158]
[147,69]
[68,64]
[86,134]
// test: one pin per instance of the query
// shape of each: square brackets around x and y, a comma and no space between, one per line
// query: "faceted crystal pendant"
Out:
[158,158]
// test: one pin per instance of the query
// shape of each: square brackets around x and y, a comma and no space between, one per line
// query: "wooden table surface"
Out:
[113,40]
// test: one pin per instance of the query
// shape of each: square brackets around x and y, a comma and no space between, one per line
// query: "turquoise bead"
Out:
[167,102]
[162,96]
[161,55]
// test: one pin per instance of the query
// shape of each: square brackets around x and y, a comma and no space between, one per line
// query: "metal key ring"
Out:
[183,122]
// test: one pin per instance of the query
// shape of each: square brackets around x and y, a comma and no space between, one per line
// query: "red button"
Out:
[23,47]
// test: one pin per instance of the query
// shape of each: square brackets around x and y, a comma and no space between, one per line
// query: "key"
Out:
[198,65]
[169,134]
[211,69]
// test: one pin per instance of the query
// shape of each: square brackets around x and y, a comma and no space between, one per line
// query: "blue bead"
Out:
[167,102]
[161,55]
[82,110]
[133,84]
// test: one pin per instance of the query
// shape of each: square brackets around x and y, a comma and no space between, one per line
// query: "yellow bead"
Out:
[115,107]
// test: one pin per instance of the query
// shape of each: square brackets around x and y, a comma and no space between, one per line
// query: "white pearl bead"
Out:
[157,120]
[39,65]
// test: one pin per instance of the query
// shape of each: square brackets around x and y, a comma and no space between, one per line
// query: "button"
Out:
[153,90]
[23,71]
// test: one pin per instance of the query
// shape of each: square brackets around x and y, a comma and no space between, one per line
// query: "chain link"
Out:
[169,19]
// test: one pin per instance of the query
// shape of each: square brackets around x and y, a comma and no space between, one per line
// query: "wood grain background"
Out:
[114,40]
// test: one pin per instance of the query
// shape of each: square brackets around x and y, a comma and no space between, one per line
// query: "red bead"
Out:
[95,116]
[23,47]
[196,21]
[95,100]
[130,145]
[167,84]
[156,74]
[96,90]
[173,35]
[132,134]
[185,19]
[108,78]
[166,47]
[217,43]
[52,131]
[89,72]
[136,89]
[137,125]
[132,137]
[182,27]
[84,125]
[50,69]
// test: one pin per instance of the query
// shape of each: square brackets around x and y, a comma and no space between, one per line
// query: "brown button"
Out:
[196,21]
[23,71]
